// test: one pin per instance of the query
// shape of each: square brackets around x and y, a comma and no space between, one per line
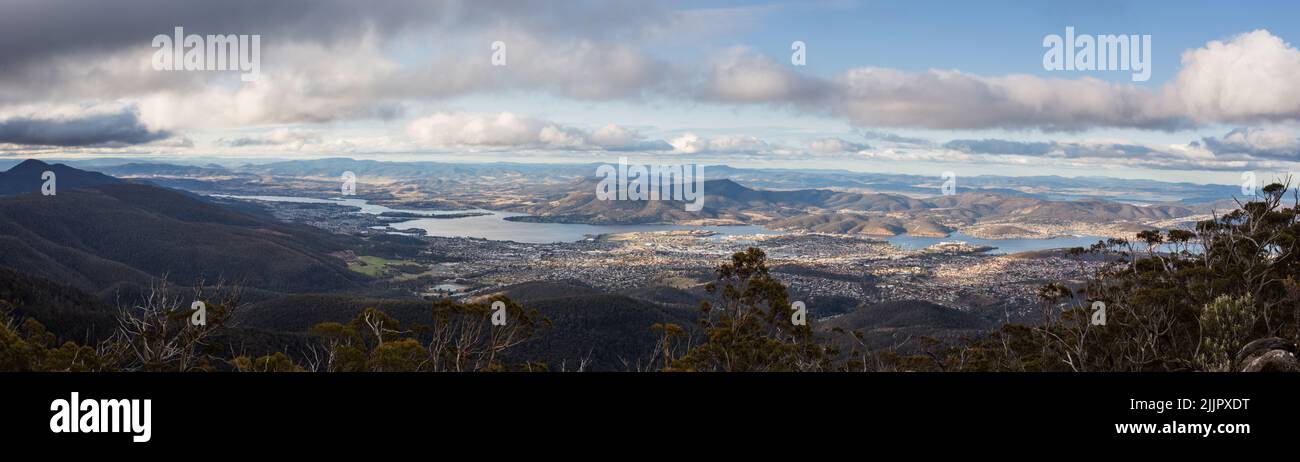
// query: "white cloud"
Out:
[614,135]
[507,130]
[690,143]
[1253,76]
[835,146]
[1250,77]
[741,75]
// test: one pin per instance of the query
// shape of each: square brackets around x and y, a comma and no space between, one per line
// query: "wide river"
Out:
[494,226]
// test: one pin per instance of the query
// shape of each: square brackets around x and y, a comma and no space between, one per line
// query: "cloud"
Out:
[277,137]
[334,60]
[1251,77]
[470,129]
[835,145]
[997,146]
[1088,154]
[690,143]
[1058,149]
[582,69]
[893,138]
[94,127]
[1256,142]
[739,75]
[946,99]
[31,31]
[328,60]
[507,130]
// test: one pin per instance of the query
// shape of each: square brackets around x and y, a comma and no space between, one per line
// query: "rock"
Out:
[1268,355]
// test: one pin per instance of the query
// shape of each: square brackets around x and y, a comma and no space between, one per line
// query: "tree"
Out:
[750,327]
[27,346]
[461,338]
[275,362]
[158,334]
[1178,300]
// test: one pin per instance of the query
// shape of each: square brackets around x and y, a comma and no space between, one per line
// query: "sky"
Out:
[917,87]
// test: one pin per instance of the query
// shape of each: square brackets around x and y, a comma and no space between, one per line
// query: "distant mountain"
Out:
[580,205]
[120,233]
[151,169]
[26,177]
[992,204]
[821,210]
[333,167]
[853,223]
[432,174]
[724,200]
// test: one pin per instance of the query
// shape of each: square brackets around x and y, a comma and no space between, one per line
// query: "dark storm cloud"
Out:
[98,129]
[1255,142]
[893,138]
[996,146]
[32,30]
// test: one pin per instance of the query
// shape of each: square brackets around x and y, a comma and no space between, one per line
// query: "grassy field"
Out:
[377,266]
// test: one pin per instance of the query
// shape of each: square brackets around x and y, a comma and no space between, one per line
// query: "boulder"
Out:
[1268,355]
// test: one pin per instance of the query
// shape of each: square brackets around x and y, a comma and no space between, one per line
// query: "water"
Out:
[493,225]
[1004,246]
[450,287]
[362,204]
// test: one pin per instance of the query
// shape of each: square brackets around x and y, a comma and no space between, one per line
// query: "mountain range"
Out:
[823,210]
[432,174]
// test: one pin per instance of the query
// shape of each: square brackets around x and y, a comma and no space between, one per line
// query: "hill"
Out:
[903,323]
[114,233]
[820,210]
[66,311]
[26,178]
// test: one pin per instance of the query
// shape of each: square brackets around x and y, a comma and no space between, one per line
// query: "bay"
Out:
[492,225]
